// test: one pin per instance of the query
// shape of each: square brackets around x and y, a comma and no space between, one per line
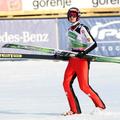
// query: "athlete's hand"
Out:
[81,54]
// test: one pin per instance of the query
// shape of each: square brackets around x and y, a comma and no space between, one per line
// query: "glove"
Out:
[81,54]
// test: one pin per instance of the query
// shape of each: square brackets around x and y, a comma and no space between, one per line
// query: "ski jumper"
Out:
[79,67]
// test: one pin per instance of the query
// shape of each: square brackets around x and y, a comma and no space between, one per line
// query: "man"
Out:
[79,66]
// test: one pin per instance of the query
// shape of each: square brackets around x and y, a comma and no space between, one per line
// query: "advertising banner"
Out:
[10,5]
[30,32]
[65,4]
[56,8]
[105,30]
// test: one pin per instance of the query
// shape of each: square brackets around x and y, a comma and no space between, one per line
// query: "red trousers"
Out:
[79,68]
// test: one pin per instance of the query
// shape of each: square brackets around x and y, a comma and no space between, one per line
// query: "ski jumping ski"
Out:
[56,54]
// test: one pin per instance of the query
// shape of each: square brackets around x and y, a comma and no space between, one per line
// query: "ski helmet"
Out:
[73,12]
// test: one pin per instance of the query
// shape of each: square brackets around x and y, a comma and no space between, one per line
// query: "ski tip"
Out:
[6,45]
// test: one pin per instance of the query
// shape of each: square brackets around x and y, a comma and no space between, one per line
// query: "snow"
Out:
[32,90]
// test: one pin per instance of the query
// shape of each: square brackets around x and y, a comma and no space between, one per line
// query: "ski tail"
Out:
[17,56]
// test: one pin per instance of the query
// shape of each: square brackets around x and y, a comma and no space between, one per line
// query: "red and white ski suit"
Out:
[79,67]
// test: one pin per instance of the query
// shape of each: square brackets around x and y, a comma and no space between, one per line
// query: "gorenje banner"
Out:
[56,8]
[18,5]
[62,4]
[31,32]
[105,30]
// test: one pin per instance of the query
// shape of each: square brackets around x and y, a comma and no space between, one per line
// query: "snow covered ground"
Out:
[32,90]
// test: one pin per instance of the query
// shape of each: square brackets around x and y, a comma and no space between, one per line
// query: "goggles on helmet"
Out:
[73,14]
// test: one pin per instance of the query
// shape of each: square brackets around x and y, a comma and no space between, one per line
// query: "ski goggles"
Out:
[73,14]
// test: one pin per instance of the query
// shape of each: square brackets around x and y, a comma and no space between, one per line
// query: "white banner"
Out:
[65,4]
[56,8]
[18,5]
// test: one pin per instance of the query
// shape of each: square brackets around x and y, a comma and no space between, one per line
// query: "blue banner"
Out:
[105,30]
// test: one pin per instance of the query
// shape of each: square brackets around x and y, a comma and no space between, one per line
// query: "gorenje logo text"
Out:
[98,3]
[51,3]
